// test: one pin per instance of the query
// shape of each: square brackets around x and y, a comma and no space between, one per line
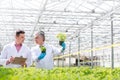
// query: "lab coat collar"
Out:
[44,44]
[13,43]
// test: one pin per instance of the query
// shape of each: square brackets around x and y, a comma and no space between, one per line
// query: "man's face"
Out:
[38,39]
[20,39]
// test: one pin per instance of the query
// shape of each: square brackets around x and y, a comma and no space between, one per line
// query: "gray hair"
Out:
[40,33]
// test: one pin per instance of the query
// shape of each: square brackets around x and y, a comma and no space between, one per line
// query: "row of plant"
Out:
[66,73]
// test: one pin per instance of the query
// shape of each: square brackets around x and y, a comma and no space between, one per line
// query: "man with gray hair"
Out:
[42,53]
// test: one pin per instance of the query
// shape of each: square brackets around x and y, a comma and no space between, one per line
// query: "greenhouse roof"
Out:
[72,17]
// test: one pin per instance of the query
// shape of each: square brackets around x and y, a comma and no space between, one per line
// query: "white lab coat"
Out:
[47,61]
[10,50]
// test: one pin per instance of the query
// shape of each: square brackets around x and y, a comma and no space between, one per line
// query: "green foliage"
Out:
[66,73]
[43,49]
[61,36]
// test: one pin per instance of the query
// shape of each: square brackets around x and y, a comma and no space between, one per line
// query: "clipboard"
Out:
[19,60]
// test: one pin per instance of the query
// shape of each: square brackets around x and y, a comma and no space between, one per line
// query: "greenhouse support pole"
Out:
[69,54]
[103,58]
[91,46]
[58,62]
[79,48]
[63,59]
[39,16]
[112,49]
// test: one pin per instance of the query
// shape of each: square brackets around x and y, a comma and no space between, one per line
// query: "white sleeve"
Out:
[29,59]
[34,56]
[3,58]
[56,50]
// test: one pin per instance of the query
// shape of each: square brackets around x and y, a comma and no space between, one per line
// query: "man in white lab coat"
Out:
[43,57]
[16,49]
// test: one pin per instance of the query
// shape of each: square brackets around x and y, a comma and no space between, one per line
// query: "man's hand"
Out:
[23,64]
[63,45]
[10,60]
[41,56]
